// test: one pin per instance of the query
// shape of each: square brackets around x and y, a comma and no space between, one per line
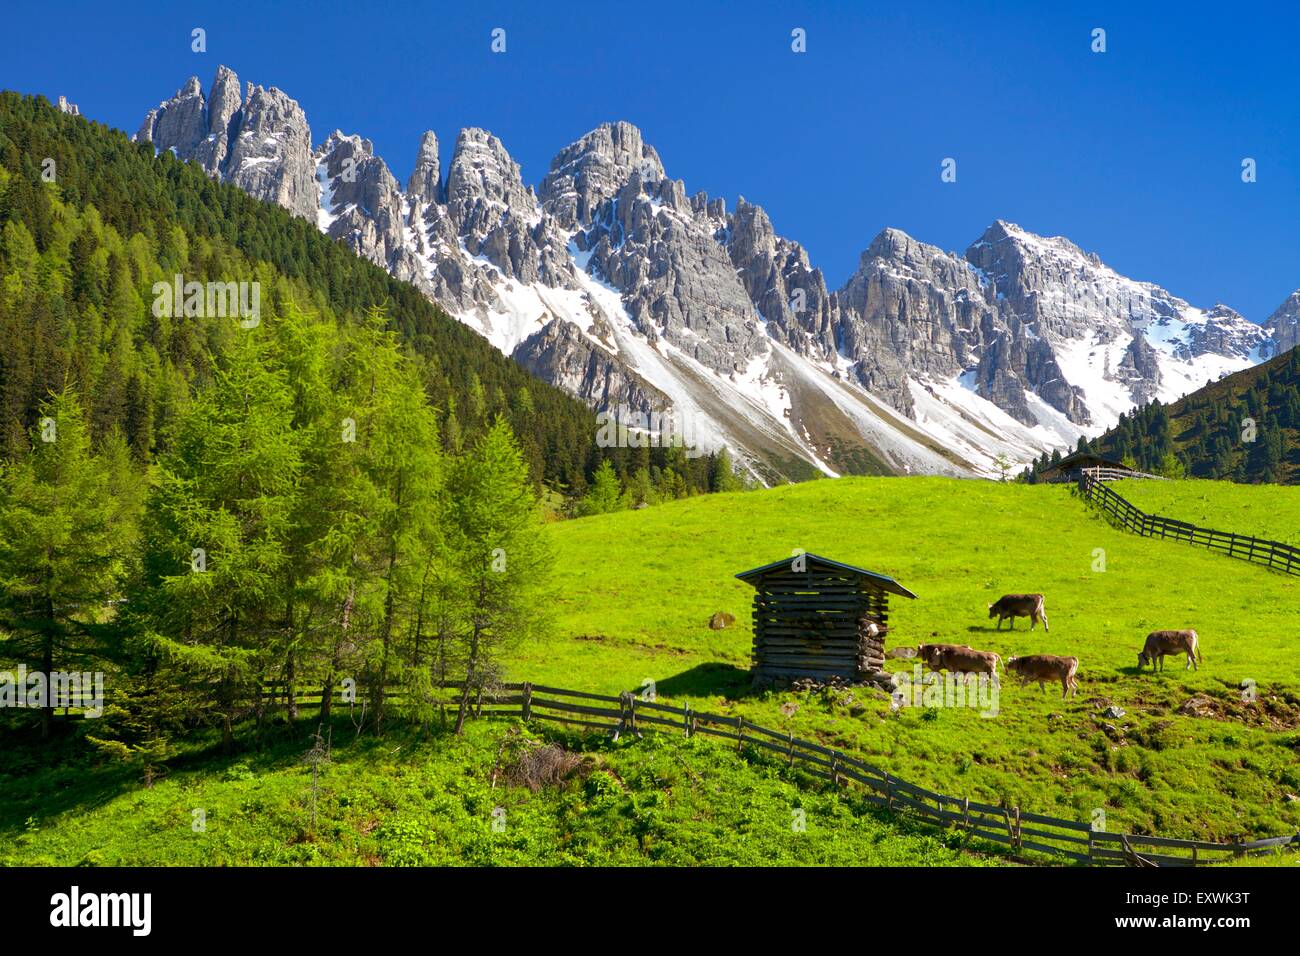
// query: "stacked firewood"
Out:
[871,647]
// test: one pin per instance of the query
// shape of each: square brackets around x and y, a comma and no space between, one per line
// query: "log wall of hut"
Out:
[816,623]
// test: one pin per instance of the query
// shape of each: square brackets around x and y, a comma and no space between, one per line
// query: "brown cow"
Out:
[963,660]
[927,652]
[1160,643]
[1012,606]
[1044,667]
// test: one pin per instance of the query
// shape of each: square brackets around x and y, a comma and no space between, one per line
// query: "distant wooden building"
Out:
[814,617]
[1069,467]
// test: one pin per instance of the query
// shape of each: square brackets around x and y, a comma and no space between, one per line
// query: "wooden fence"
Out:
[1119,474]
[1024,834]
[1271,554]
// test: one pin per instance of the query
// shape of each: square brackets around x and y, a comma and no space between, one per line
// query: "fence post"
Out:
[686,718]
[622,713]
[528,700]
[1013,828]
[835,768]
[740,731]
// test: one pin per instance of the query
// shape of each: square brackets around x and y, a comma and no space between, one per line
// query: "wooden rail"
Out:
[1022,832]
[1123,513]
[1119,474]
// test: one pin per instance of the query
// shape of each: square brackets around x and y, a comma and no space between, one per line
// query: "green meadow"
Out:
[1265,511]
[635,592]
[637,589]
[430,800]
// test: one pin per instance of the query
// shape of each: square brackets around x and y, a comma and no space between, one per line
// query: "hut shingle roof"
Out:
[882,581]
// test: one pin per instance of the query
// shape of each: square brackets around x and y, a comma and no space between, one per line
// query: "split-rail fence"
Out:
[1271,554]
[1024,834]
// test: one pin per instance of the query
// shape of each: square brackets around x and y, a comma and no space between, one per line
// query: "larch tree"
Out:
[500,558]
[209,594]
[61,533]
[605,493]
[392,482]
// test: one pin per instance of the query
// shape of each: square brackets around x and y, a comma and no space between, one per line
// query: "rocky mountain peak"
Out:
[425,183]
[1284,325]
[898,248]
[751,229]
[498,217]
[912,308]
[180,123]
[223,106]
[790,295]
[613,282]
[261,142]
[484,183]
[361,203]
[594,169]
[1224,313]
[270,155]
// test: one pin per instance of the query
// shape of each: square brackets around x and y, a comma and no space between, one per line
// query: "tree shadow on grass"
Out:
[43,778]
[40,780]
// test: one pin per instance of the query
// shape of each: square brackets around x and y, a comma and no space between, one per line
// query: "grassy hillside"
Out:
[638,589]
[1265,511]
[413,801]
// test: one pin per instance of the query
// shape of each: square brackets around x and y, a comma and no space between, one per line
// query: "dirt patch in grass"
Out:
[1276,711]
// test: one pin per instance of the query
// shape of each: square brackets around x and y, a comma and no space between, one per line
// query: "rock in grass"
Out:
[721,619]
[1198,706]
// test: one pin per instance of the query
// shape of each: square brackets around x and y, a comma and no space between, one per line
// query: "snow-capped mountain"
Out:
[612,282]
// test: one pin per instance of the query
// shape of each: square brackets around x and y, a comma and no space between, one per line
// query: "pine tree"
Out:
[604,494]
[723,477]
[391,493]
[61,536]
[499,555]
[209,590]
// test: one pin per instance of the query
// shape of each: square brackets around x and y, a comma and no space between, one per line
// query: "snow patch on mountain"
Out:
[610,281]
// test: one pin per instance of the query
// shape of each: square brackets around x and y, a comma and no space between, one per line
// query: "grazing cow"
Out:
[1045,667]
[927,652]
[1160,643]
[963,660]
[1012,606]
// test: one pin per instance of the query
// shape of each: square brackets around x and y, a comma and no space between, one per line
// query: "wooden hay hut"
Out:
[818,618]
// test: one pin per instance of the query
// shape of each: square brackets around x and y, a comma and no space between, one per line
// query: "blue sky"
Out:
[1134,153]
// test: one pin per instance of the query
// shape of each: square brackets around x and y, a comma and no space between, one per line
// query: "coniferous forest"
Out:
[89,221]
[201,506]
[1244,428]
